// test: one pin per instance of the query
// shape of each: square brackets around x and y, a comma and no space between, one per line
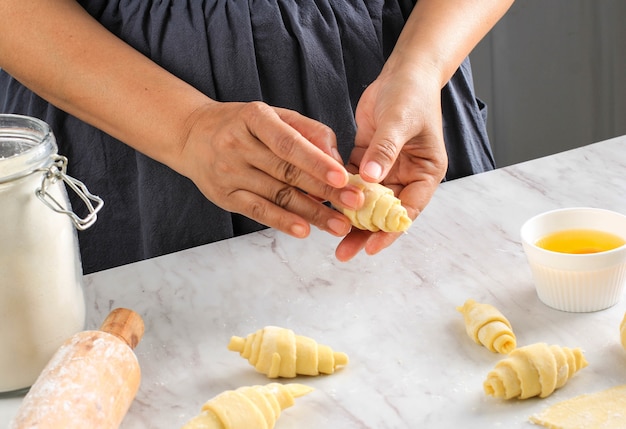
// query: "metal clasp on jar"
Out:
[58,171]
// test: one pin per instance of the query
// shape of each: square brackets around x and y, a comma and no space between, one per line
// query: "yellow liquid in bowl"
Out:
[580,241]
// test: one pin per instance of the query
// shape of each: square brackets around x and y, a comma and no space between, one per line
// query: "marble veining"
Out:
[394,314]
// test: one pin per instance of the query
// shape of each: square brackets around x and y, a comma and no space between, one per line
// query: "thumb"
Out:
[381,154]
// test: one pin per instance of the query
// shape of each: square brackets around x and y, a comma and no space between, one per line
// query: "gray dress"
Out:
[315,57]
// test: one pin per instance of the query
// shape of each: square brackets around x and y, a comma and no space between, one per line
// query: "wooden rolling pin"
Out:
[91,380]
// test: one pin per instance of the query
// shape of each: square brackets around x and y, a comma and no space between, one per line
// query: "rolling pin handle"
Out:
[124,324]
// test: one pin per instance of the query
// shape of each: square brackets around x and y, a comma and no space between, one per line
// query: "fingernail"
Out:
[349,199]
[373,170]
[336,178]
[337,226]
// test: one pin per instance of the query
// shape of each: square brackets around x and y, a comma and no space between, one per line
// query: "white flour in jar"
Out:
[41,296]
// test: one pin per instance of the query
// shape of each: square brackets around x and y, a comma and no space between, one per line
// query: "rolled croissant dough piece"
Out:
[487,326]
[248,407]
[601,410]
[381,210]
[279,352]
[533,370]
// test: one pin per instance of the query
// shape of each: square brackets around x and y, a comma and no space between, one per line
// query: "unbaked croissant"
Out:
[380,211]
[534,370]
[488,327]
[248,407]
[279,352]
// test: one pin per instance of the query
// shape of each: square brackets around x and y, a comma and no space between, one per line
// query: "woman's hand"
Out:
[399,115]
[272,165]
[400,136]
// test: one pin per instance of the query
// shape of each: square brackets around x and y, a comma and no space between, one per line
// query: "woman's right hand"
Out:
[272,165]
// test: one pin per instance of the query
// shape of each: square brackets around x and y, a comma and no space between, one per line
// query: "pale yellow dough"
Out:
[601,410]
[380,211]
[488,327]
[534,370]
[279,352]
[249,407]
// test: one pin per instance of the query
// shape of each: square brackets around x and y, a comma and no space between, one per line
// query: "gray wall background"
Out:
[553,73]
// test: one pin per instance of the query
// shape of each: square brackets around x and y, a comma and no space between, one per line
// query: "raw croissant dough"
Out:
[534,370]
[250,407]
[600,410]
[279,352]
[487,326]
[381,209]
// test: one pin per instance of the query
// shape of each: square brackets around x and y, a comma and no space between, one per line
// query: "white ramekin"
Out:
[576,282]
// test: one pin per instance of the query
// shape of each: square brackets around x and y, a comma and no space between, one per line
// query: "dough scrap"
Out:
[600,410]
[279,352]
[380,211]
[247,407]
[487,326]
[534,370]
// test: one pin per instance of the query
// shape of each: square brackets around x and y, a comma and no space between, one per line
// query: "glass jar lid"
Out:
[26,144]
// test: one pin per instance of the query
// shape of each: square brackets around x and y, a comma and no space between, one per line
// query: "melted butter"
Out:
[580,241]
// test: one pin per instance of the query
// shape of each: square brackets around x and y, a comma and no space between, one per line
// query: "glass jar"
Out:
[41,292]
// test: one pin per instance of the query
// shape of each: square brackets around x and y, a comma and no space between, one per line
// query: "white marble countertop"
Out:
[411,362]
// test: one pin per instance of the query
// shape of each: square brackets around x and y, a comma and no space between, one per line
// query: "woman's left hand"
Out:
[399,140]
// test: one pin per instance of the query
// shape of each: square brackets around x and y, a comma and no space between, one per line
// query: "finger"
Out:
[380,241]
[289,144]
[381,154]
[357,240]
[351,244]
[350,196]
[263,211]
[284,207]
[314,131]
[416,196]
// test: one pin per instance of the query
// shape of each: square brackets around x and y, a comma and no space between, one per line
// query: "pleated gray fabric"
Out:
[315,57]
